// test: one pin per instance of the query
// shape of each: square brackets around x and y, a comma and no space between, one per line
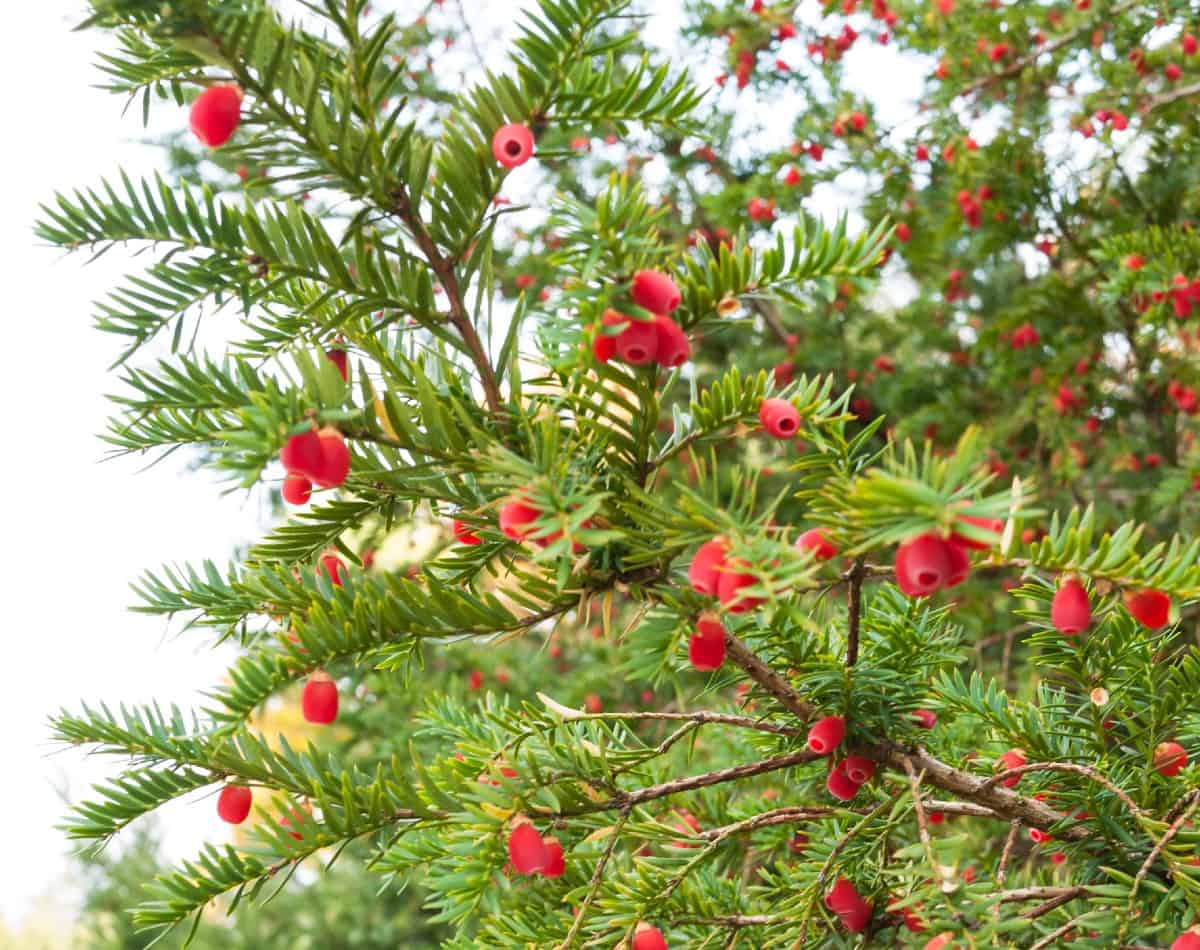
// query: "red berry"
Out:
[1012,759]
[925,718]
[940,942]
[1172,72]
[319,701]
[672,348]
[706,648]
[302,454]
[335,460]
[604,345]
[858,121]
[465,534]
[646,937]
[858,769]
[296,490]
[814,540]
[637,344]
[526,850]
[732,580]
[923,565]
[517,517]
[216,113]
[960,564]
[1151,608]
[556,863]
[233,804]
[338,358]
[792,176]
[922,153]
[903,232]
[655,291]
[1070,611]
[779,417]
[333,566]
[852,910]
[1187,941]
[839,784]
[512,145]
[826,734]
[1190,44]
[475,680]
[1170,758]
[704,571]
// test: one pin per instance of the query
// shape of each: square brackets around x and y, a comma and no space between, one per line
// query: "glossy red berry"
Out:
[302,454]
[517,516]
[604,345]
[858,769]
[297,489]
[319,701]
[527,850]
[646,937]
[233,804]
[1172,72]
[465,534]
[732,580]
[826,734]
[779,417]
[637,344]
[655,291]
[556,862]
[335,460]
[843,899]
[1170,758]
[706,648]
[1187,941]
[672,348]
[334,567]
[512,145]
[814,540]
[926,718]
[1012,759]
[839,784]
[1190,44]
[1071,611]
[1151,608]
[923,565]
[216,114]
[960,564]
[704,573]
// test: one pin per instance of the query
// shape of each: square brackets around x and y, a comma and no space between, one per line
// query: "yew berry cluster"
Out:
[638,342]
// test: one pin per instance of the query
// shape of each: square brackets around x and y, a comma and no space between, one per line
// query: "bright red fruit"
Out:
[233,804]
[1151,608]
[655,291]
[1172,72]
[672,348]
[646,937]
[925,718]
[779,417]
[704,573]
[301,454]
[604,346]
[216,114]
[512,145]
[319,701]
[706,648]
[1187,941]
[923,564]
[637,344]
[526,850]
[960,564]
[903,232]
[1070,611]
[843,899]
[296,489]
[517,517]
[858,769]
[556,863]
[1012,759]
[333,566]
[940,942]
[1170,758]
[839,784]
[731,581]
[814,540]
[826,734]
[1190,44]
[335,460]
[465,534]
[338,358]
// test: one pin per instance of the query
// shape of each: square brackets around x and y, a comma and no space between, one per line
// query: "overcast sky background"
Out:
[78,528]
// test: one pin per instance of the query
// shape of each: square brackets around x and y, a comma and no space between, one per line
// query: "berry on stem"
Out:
[637,344]
[826,734]
[216,114]
[335,567]
[517,516]
[923,564]
[1187,941]
[844,900]
[527,850]
[704,572]
[732,580]
[1170,758]
[1070,611]
[556,862]
[706,648]
[1151,608]
[297,489]
[672,347]
[858,769]
[1012,759]
[233,804]
[779,417]
[839,784]
[648,937]
[512,145]
[655,291]
[335,459]
[319,701]
[302,454]
[814,540]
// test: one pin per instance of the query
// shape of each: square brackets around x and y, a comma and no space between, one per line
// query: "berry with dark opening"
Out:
[216,114]
[814,540]
[704,573]
[1070,611]
[706,648]
[233,804]
[826,734]
[839,784]
[1151,608]
[512,145]
[527,850]
[637,344]
[319,701]
[1170,758]
[655,291]
[923,565]
[647,937]
[296,489]
[672,348]
[843,899]
[779,417]
[858,769]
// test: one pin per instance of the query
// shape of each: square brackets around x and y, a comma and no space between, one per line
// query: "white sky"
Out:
[80,529]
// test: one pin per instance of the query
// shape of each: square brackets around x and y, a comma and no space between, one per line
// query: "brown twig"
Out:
[741,655]
[854,611]
[1084,770]
[594,883]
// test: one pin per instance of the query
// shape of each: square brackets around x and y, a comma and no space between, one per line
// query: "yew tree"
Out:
[660,559]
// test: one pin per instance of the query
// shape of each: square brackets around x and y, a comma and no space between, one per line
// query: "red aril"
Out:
[655,291]
[297,489]
[826,734]
[1070,611]
[526,850]
[705,570]
[319,701]
[216,114]
[706,648]
[233,804]
[814,540]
